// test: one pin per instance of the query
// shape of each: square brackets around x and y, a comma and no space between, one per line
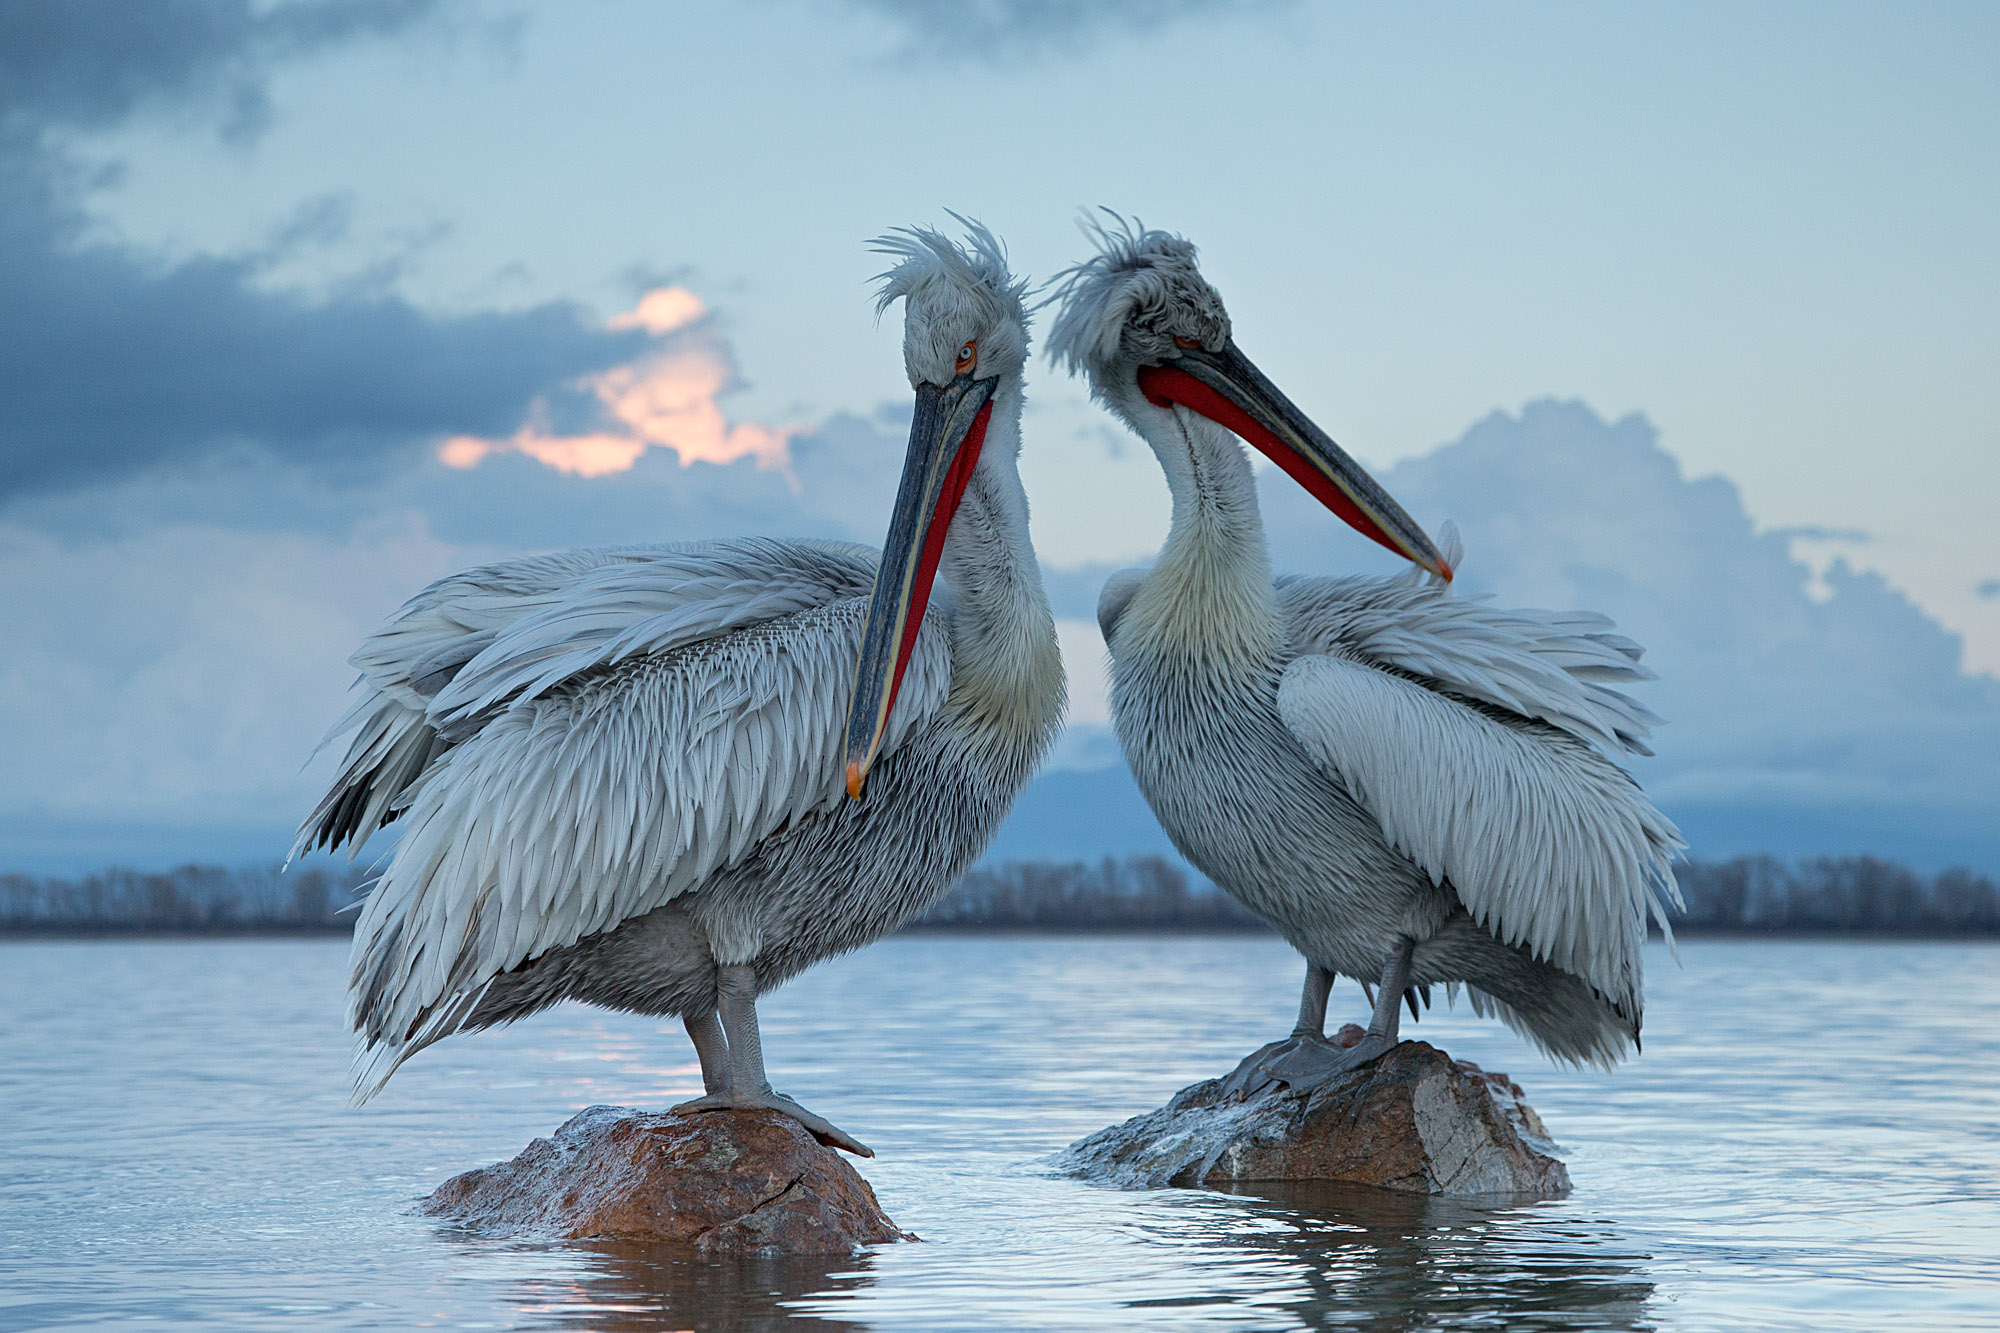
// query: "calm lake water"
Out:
[1811,1140]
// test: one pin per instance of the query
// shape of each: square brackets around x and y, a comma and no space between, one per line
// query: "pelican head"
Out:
[1153,338]
[965,341]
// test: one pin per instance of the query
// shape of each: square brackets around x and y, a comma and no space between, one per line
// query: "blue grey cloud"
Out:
[1989,589]
[110,366]
[94,62]
[1815,532]
[993,31]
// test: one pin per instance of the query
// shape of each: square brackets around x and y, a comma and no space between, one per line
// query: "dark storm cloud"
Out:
[992,30]
[107,366]
[93,62]
[110,366]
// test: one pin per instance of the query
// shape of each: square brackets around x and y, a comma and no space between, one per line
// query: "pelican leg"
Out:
[1310,1030]
[745,1086]
[705,1031]
[1312,1002]
[1304,1065]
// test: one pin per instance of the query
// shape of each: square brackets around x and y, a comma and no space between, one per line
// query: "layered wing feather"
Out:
[404,664]
[1558,667]
[1466,731]
[423,649]
[616,766]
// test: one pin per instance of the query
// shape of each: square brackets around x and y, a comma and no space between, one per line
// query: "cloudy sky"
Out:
[302,305]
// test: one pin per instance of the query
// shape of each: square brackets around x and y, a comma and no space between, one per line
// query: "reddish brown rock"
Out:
[1414,1120]
[725,1182]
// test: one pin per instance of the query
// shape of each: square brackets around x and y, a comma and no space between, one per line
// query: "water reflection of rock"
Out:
[626,1288]
[1371,1259]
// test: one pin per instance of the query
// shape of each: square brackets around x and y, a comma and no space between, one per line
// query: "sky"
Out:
[304,304]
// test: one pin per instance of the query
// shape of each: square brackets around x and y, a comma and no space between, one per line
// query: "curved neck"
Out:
[1006,667]
[1210,591]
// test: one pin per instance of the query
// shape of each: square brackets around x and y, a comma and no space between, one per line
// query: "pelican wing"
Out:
[614,768]
[1558,667]
[1549,845]
[1467,731]
[423,649]
[403,665]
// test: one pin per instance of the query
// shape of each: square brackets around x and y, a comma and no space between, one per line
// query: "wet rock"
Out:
[1415,1121]
[725,1182]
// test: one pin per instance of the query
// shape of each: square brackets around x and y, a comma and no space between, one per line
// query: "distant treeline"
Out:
[1137,893]
[192,900]
[1855,895]
[1850,895]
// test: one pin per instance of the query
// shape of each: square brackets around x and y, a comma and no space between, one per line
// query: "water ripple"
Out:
[1811,1141]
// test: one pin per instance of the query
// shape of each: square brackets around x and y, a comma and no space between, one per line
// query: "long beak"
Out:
[945,439]
[1228,389]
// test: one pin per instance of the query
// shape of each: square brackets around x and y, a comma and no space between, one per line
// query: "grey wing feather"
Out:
[404,664]
[1548,844]
[1557,667]
[400,729]
[583,801]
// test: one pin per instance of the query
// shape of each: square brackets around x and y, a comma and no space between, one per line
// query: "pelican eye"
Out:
[1187,344]
[966,356]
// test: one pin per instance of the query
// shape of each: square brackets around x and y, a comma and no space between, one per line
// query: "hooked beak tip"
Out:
[1444,569]
[854,779]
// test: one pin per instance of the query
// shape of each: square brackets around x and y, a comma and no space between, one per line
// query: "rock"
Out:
[1414,1120]
[725,1182]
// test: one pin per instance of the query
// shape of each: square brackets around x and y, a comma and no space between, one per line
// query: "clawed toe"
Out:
[714,1101]
[1308,1066]
[1251,1074]
[818,1126]
[1301,1062]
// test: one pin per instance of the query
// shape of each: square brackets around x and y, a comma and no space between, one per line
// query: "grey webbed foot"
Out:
[1303,1062]
[1249,1076]
[820,1128]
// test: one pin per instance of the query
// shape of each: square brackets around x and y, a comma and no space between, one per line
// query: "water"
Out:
[1812,1141]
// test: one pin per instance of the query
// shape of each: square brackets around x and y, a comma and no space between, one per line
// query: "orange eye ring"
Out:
[967,355]
[1187,344]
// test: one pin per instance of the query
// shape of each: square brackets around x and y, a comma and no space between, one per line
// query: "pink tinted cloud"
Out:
[666,398]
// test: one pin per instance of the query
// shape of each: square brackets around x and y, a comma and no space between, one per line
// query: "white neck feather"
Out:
[1006,668]
[1210,592]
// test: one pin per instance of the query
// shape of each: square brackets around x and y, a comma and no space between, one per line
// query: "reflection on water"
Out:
[620,1288]
[1323,1257]
[1811,1141]
[1369,1259]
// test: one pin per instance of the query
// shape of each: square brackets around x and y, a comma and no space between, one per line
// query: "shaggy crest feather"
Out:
[1140,281]
[953,294]
[926,255]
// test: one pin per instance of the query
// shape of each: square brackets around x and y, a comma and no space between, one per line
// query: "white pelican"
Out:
[1401,781]
[625,775]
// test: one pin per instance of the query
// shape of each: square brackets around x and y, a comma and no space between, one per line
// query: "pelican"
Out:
[635,776]
[1409,786]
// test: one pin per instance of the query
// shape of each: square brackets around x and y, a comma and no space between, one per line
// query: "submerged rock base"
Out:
[1414,1120]
[725,1182]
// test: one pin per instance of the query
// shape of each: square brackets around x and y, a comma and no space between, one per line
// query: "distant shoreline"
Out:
[1855,898]
[280,931]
